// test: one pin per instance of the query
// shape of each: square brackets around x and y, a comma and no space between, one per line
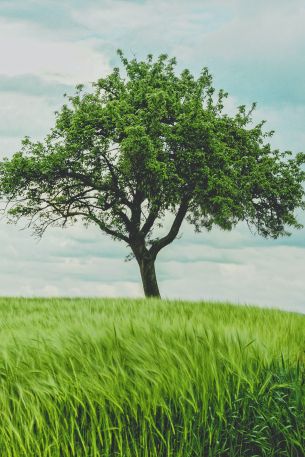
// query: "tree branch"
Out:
[174,230]
[136,209]
[152,216]
[115,181]
[66,213]
[106,229]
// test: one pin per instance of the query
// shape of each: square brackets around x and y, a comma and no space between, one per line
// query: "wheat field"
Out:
[150,378]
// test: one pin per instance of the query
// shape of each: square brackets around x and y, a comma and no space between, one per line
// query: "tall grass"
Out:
[150,378]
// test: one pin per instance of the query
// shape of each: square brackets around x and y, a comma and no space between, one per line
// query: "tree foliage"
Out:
[143,142]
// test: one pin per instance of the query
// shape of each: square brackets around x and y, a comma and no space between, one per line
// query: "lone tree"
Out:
[146,144]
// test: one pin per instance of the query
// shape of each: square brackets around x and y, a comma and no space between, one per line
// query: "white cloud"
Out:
[22,115]
[8,145]
[219,29]
[140,28]
[263,30]
[269,276]
[26,50]
[288,123]
[131,15]
[69,262]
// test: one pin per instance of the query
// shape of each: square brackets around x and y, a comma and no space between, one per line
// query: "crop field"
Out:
[150,378]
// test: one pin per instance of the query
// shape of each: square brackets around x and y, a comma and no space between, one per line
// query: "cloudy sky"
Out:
[255,50]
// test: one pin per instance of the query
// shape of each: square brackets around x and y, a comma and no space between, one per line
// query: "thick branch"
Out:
[103,226]
[152,216]
[107,230]
[136,209]
[174,230]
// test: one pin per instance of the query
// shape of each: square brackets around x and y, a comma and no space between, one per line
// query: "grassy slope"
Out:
[95,378]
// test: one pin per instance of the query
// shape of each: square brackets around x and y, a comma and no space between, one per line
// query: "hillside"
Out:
[150,378]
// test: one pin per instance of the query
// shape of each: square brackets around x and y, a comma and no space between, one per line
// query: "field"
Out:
[150,378]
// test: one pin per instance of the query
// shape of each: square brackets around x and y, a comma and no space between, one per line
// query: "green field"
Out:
[148,378]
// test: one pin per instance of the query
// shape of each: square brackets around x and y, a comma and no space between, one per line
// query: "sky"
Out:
[254,50]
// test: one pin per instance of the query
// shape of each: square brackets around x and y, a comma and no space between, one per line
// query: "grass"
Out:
[149,378]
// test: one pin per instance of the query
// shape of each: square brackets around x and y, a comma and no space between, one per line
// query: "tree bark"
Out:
[149,279]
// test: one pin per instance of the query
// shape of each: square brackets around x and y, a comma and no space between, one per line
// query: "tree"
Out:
[146,144]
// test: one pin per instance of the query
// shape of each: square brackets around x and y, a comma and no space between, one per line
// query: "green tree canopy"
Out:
[145,142]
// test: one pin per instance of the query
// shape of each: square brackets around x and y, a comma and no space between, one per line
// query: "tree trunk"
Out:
[149,279]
